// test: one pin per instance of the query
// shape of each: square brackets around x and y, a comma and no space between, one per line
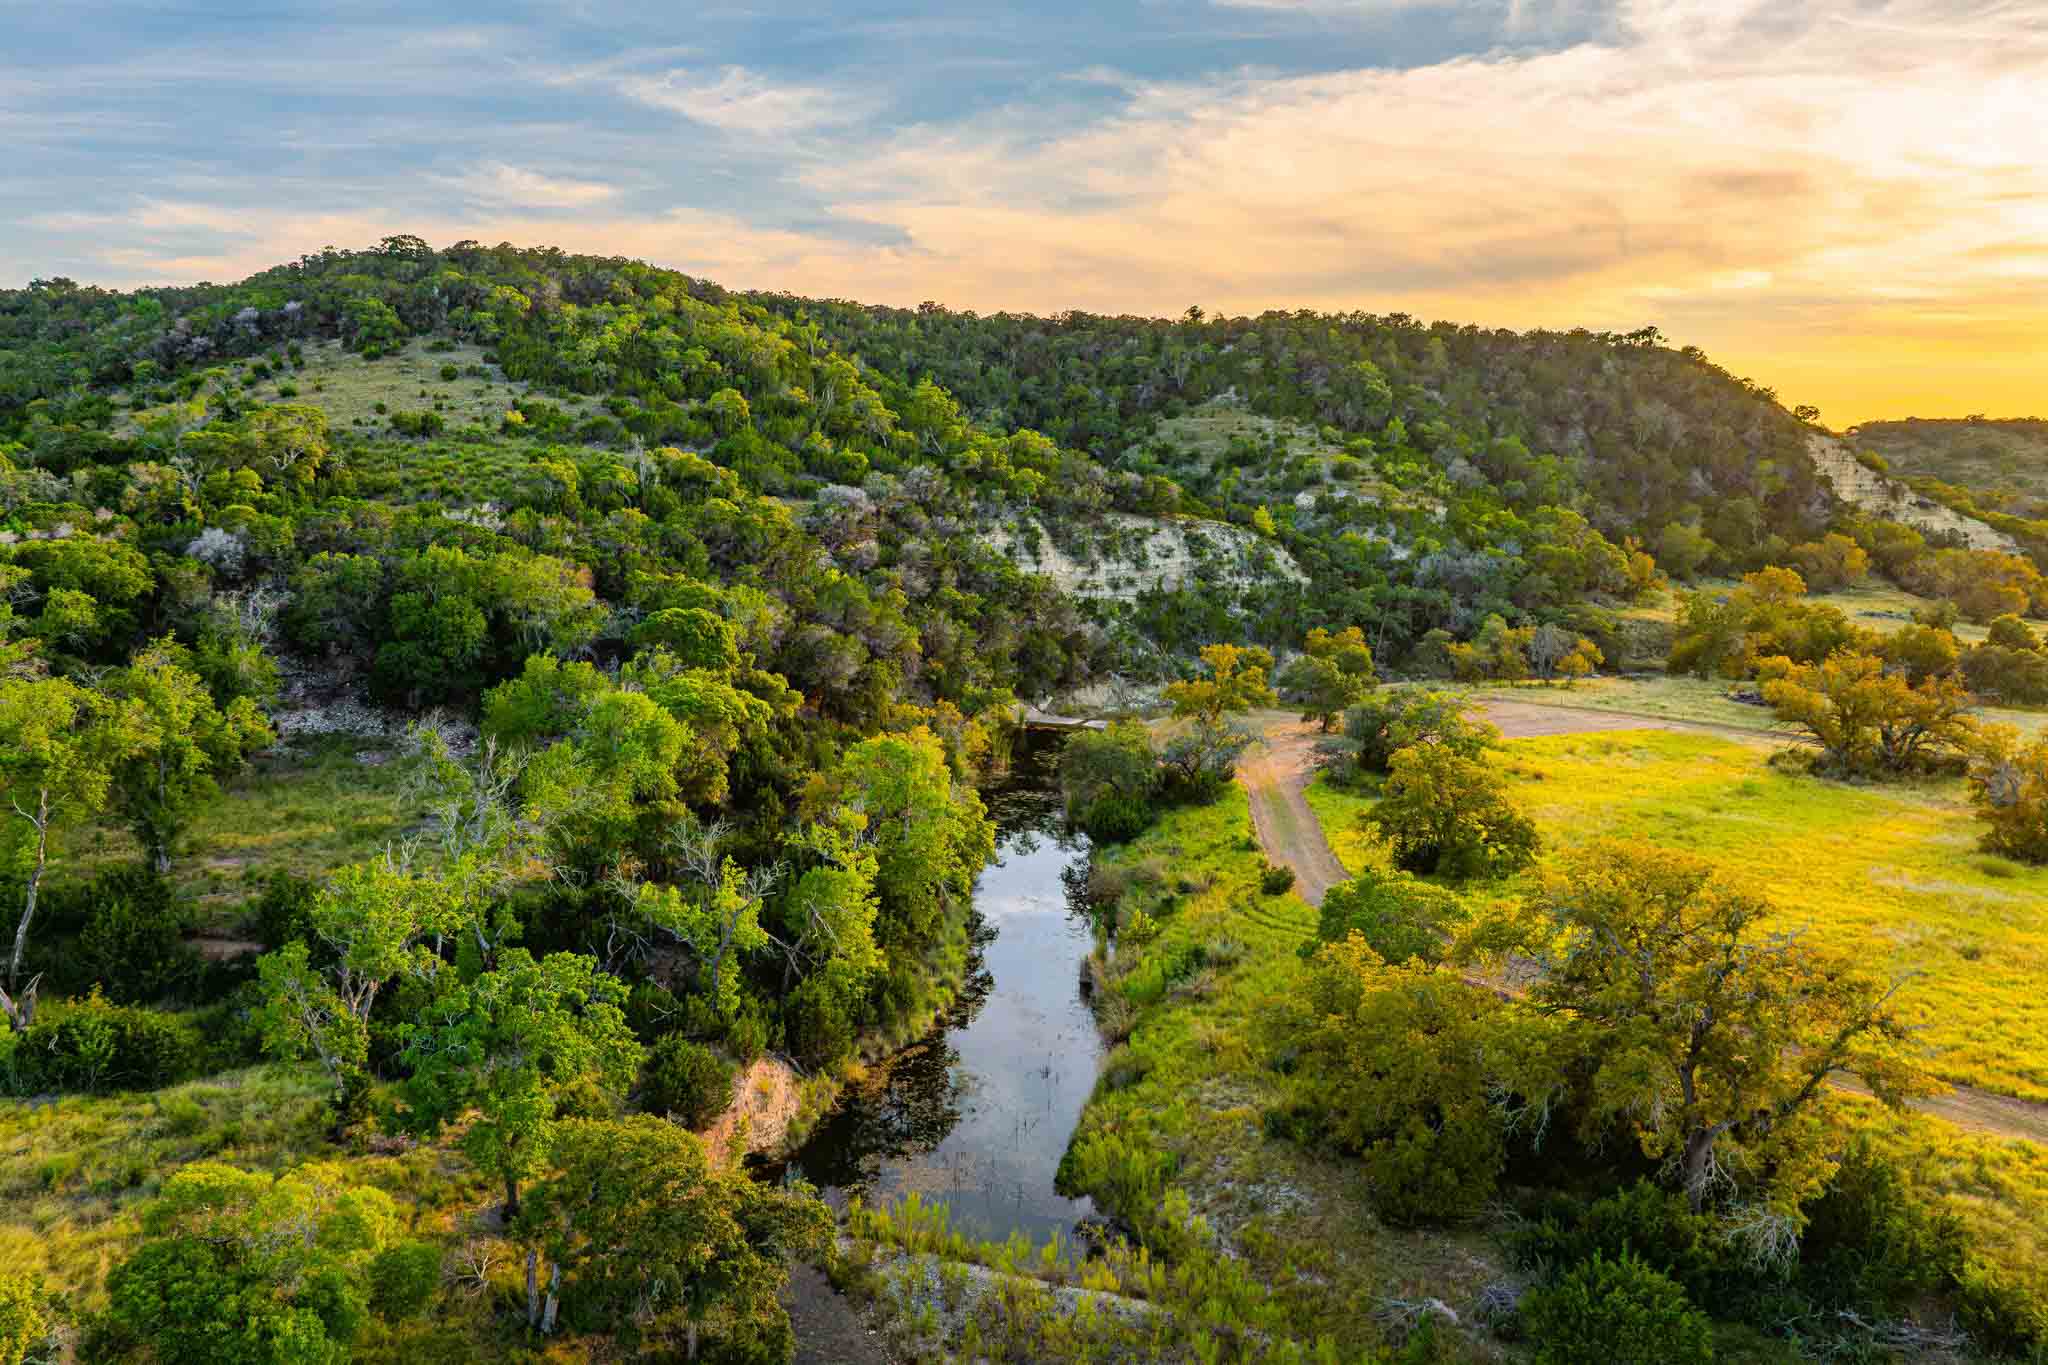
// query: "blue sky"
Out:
[1841,196]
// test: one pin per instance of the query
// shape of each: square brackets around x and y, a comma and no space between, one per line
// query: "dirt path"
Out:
[1534,719]
[828,1330]
[1276,774]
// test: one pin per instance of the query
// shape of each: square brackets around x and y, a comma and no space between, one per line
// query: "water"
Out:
[979,1112]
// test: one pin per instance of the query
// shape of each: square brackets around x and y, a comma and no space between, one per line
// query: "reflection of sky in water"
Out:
[979,1113]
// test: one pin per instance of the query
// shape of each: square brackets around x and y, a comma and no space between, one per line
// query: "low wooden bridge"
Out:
[1035,719]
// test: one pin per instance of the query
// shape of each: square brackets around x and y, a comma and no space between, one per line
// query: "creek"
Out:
[978,1112]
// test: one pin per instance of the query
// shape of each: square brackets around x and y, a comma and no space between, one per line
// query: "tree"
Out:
[1707,1035]
[1867,719]
[511,1045]
[181,740]
[1384,725]
[246,1268]
[932,835]
[2009,784]
[1109,778]
[646,1236]
[371,923]
[1333,672]
[1399,917]
[1445,814]
[1556,652]
[57,752]
[1834,561]
[1413,1070]
[1201,758]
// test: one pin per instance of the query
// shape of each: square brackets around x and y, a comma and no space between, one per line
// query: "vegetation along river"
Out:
[979,1112]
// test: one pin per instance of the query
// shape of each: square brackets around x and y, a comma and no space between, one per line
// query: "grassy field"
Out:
[1694,701]
[1888,873]
[76,1174]
[304,811]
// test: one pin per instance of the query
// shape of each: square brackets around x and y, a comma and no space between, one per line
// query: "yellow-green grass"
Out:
[1693,701]
[301,812]
[76,1171]
[1194,1080]
[1888,873]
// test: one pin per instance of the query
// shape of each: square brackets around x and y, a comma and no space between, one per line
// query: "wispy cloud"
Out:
[738,100]
[515,187]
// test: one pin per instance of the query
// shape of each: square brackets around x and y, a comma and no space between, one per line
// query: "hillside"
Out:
[1990,470]
[490,737]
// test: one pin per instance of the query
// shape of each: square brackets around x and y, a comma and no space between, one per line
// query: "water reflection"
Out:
[979,1112]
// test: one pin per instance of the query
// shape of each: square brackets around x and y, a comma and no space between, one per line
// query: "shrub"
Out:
[687,1081]
[450,373]
[1116,819]
[95,1045]
[24,1325]
[133,942]
[818,1025]
[1616,1312]
[403,1279]
[1381,727]
[284,910]
[1399,917]
[1275,880]
[1871,1243]
[1644,1220]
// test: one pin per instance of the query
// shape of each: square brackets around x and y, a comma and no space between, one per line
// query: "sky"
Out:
[1846,200]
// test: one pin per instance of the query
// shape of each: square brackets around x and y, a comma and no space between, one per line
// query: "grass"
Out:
[304,811]
[1889,873]
[1692,701]
[1180,1104]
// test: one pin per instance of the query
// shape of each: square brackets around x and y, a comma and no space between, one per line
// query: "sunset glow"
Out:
[1844,199]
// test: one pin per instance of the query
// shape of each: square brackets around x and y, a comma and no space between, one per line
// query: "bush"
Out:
[1870,1243]
[1116,819]
[24,1325]
[403,1279]
[820,1029]
[1616,1312]
[1275,880]
[1399,917]
[284,910]
[95,1045]
[133,943]
[686,1081]
[1645,1220]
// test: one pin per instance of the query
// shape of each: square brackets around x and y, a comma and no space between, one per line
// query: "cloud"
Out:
[512,186]
[738,100]
[1847,199]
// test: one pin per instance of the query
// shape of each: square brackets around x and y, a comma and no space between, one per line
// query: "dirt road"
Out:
[1276,774]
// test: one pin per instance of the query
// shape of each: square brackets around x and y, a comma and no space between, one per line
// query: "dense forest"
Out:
[688,625]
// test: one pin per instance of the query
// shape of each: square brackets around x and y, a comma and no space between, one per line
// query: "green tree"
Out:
[510,1045]
[1414,1070]
[246,1268]
[58,748]
[370,924]
[1399,917]
[1382,726]
[1333,672]
[1448,815]
[182,739]
[646,1237]
[1708,1035]
[1867,719]
[1202,756]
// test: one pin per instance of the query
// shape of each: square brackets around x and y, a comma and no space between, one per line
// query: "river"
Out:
[979,1112]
